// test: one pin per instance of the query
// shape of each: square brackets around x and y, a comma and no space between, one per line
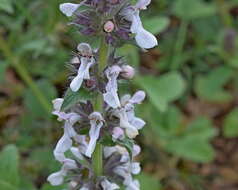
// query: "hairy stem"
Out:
[97,159]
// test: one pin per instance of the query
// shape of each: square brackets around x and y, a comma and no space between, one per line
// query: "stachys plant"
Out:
[97,149]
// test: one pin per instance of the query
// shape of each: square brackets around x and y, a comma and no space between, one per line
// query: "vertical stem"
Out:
[97,159]
[181,36]
[224,13]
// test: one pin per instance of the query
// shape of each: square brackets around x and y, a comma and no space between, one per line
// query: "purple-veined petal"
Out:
[83,73]
[56,178]
[135,168]
[111,96]
[107,185]
[131,131]
[133,185]
[62,146]
[138,122]
[76,83]
[85,49]
[69,8]
[96,122]
[136,150]
[57,103]
[138,97]
[145,39]
[118,133]
[142,4]
[76,152]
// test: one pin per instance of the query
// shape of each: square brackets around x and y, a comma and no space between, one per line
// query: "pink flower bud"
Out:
[109,26]
[117,133]
[127,72]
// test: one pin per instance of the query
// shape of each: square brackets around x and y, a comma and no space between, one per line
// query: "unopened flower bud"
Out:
[127,72]
[109,26]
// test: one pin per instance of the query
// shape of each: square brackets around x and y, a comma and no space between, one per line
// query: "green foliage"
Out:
[72,98]
[193,9]
[162,90]
[210,87]
[148,182]
[33,105]
[194,60]
[9,171]
[189,141]
[3,67]
[6,5]
[127,143]
[231,124]
[156,25]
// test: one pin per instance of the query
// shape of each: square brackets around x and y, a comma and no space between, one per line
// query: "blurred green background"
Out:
[190,141]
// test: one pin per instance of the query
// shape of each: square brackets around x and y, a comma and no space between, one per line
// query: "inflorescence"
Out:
[97,149]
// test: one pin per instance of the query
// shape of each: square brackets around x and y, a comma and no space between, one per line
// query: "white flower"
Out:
[76,152]
[142,4]
[138,97]
[117,133]
[65,141]
[128,180]
[57,178]
[107,185]
[109,150]
[135,168]
[86,61]
[126,114]
[57,104]
[84,188]
[69,8]
[96,122]
[83,73]
[133,185]
[143,38]
[136,150]
[111,96]
[131,130]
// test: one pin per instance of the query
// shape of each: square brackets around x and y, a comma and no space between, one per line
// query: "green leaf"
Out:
[230,125]
[72,98]
[193,142]
[127,143]
[191,148]
[156,24]
[233,61]
[130,53]
[106,140]
[50,187]
[3,67]
[193,9]
[9,176]
[6,5]
[210,86]
[32,103]
[148,182]
[162,90]
[201,128]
